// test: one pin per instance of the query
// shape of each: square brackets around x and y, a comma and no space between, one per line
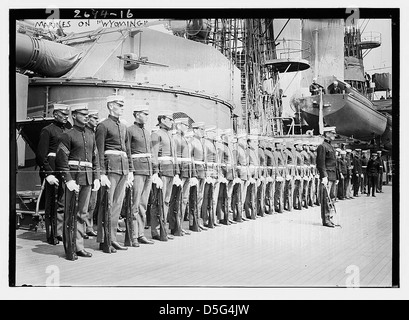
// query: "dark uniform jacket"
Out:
[111,135]
[226,159]
[163,146]
[49,140]
[326,161]
[343,167]
[357,163]
[183,167]
[140,142]
[364,164]
[198,158]
[373,168]
[78,144]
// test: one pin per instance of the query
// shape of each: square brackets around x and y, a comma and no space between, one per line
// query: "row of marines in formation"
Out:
[179,172]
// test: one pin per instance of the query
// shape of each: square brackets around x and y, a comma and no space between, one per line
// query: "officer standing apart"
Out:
[46,153]
[326,165]
[89,222]
[140,141]
[77,159]
[116,168]
[373,172]
[163,162]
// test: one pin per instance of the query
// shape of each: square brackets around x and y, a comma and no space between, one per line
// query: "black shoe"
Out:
[106,250]
[117,246]
[186,232]
[144,240]
[85,236]
[146,227]
[159,239]
[72,258]
[368,195]
[203,227]
[329,225]
[84,253]
[373,195]
[91,233]
[53,241]
[59,238]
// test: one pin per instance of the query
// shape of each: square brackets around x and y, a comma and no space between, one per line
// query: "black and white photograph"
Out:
[194,148]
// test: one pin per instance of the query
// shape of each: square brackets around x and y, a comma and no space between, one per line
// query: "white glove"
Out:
[297,178]
[72,186]
[259,182]
[158,181]
[236,180]
[97,185]
[193,182]
[306,178]
[105,181]
[177,181]
[289,177]
[52,180]
[279,179]
[129,181]
[324,181]
[357,174]
[342,176]
[336,182]
[362,175]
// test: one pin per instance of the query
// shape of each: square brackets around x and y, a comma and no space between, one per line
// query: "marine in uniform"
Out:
[212,184]
[164,167]
[291,174]
[184,166]
[250,202]
[54,189]
[240,158]
[91,125]
[326,165]
[262,176]
[364,180]
[299,176]
[314,177]
[198,157]
[140,143]
[228,177]
[77,159]
[271,169]
[116,172]
[280,177]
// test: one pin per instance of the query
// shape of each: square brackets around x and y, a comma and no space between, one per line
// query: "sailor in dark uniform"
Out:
[307,176]
[140,142]
[314,182]
[315,87]
[54,189]
[348,181]
[380,172]
[77,159]
[91,125]
[356,171]
[326,165]
[364,160]
[116,171]
[373,171]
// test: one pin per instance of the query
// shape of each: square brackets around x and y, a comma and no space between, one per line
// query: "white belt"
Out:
[313,166]
[198,162]
[241,167]
[226,165]
[80,163]
[141,155]
[291,165]
[270,167]
[117,152]
[184,159]
[364,167]
[252,166]
[166,158]
[212,163]
[52,154]
[281,167]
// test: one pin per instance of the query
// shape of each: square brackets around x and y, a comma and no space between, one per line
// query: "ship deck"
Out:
[291,249]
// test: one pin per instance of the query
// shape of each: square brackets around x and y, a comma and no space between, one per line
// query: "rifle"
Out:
[70,227]
[175,211]
[106,220]
[157,207]
[129,217]
[193,210]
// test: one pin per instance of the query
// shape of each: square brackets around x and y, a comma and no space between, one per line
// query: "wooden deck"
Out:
[283,250]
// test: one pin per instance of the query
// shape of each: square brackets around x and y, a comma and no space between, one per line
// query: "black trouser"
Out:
[356,180]
[372,183]
[341,189]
